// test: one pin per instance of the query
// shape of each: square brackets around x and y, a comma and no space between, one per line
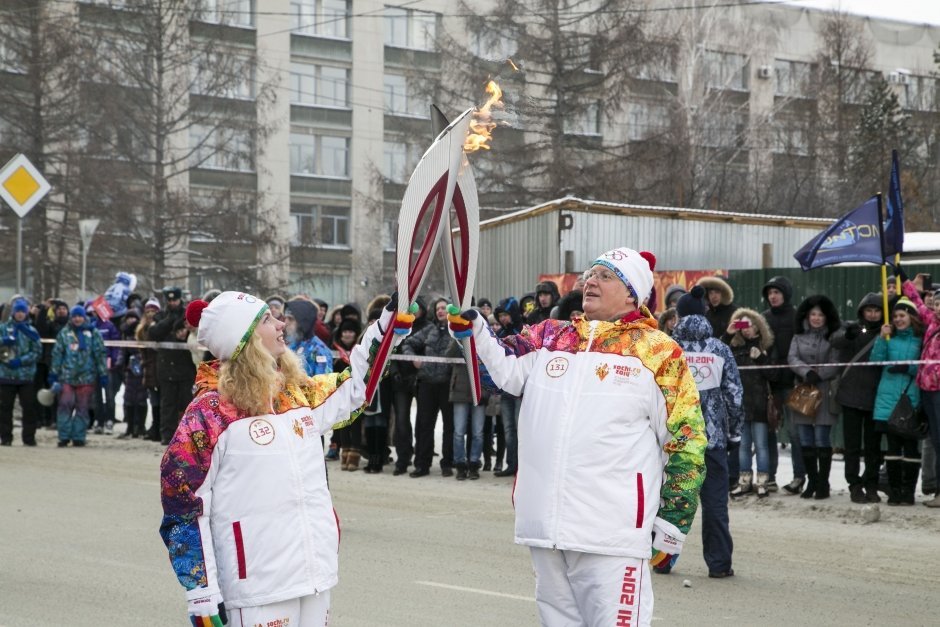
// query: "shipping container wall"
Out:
[682,244]
[845,285]
[513,255]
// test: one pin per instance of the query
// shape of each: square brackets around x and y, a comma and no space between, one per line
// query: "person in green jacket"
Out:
[18,357]
[899,341]
[78,365]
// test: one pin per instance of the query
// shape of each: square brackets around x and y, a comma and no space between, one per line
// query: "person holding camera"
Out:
[816,320]
[19,352]
[752,344]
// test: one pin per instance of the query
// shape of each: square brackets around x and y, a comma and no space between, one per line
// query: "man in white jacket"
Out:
[611,445]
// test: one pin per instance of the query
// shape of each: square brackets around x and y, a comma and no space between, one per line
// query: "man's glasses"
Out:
[602,275]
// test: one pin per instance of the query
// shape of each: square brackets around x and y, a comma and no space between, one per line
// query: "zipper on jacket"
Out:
[566,420]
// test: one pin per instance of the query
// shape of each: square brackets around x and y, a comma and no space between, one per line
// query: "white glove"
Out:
[667,538]
[205,604]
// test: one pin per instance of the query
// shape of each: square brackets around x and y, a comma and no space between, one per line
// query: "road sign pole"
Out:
[19,255]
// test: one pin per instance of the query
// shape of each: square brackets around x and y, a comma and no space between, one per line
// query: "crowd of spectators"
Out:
[71,382]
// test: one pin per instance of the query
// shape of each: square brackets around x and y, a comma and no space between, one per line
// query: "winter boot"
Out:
[895,473]
[473,471]
[743,487]
[795,486]
[762,490]
[857,493]
[935,501]
[352,460]
[824,455]
[871,493]
[909,472]
[130,421]
[343,458]
[461,471]
[812,473]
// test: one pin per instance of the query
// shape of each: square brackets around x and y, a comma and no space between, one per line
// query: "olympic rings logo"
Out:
[700,373]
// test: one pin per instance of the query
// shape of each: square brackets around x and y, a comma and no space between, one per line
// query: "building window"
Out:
[916,92]
[725,70]
[790,139]
[319,155]
[408,28]
[231,12]
[794,78]
[401,99]
[11,57]
[322,18]
[303,154]
[647,120]
[220,148]
[395,161]
[319,225]
[723,129]
[224,74]
[493,45]
[319,85]
[584,122]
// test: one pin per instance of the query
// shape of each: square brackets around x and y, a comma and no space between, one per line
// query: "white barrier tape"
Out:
[854,364]
[184,346]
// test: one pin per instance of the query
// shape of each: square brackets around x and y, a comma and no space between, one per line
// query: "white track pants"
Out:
[575,589]
[308,611]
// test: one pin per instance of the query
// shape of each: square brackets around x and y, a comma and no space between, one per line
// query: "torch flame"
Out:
[482,125]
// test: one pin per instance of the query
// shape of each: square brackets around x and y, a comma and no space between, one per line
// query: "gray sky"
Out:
[917,11]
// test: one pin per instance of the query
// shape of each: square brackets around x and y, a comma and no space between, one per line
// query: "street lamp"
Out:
[86,229]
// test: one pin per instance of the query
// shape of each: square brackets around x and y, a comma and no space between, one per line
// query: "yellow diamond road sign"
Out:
[21,185]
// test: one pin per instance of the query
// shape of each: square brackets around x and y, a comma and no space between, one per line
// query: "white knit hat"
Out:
[634,269]
[226,324]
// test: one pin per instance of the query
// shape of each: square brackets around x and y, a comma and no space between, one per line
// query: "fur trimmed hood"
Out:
[717,283]
[828,308]
[766,335]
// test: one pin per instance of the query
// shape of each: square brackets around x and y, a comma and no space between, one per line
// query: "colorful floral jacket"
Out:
[247,510]
[611,436]
[314,355]
[78,357]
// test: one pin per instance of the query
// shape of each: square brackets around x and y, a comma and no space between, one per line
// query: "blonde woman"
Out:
[246,464]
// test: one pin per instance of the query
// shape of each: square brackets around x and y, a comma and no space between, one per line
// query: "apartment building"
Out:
[350,123]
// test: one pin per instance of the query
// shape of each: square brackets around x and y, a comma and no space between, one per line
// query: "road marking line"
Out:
[514,597]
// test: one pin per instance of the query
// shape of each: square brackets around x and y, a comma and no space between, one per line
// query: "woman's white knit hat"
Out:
[226,324]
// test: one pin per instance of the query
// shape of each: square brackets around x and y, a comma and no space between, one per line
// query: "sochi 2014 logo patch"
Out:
[602,371]
[261,431]
[556,367]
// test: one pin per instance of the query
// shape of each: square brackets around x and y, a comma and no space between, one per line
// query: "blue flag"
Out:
[894,212]
[856,236]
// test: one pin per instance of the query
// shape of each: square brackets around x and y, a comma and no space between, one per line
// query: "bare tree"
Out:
[167,96]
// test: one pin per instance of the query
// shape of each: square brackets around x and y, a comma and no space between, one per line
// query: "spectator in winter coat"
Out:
[349,437]
[781,316]
[668,320]
[752,343]
[105,398]
[673,294]
[856,395]
[135,393]
[469,418]
[720,298]
[928,375]
[719,387]
[78,367]
[50,319]
[510,317]
[902,457]
[404,377]
[816,320]
[276,305]
[175,369]
[20,343]
[300,317]
[148,358]
[433,393]
[546,297]
[570,305]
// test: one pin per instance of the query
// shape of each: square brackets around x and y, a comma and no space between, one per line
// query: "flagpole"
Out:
[884,263]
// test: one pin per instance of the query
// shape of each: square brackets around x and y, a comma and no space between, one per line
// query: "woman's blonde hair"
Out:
[254,379]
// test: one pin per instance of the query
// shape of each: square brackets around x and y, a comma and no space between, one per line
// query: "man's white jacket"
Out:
[611,436]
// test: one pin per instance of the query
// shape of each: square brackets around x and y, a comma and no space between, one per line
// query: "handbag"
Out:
[773,412]
[904,420]
[805,398]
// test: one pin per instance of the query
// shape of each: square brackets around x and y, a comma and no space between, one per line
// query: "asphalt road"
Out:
[79,546]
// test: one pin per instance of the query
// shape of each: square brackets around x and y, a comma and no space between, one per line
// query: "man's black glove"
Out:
[898,369]
[899,271]
[812,377]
